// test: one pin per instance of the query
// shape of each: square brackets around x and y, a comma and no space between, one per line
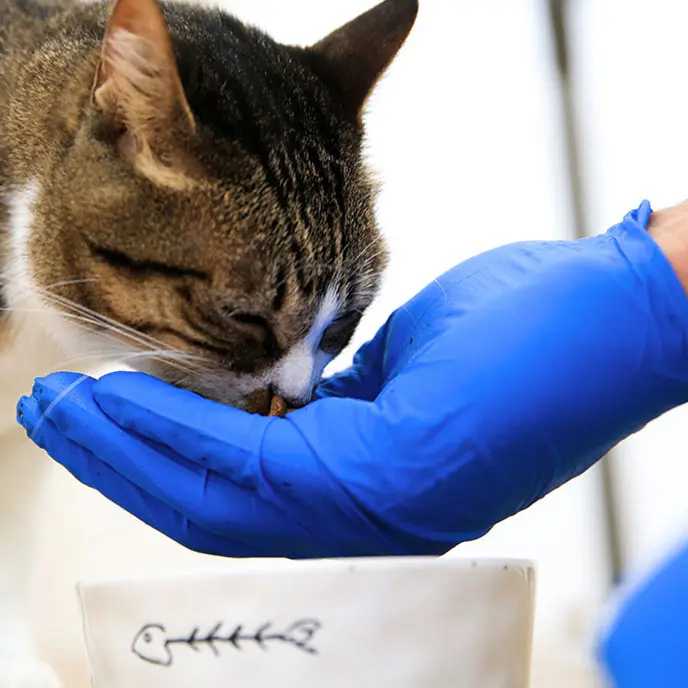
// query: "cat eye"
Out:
[256,326]
[339,333]
[122,261]
[250,320]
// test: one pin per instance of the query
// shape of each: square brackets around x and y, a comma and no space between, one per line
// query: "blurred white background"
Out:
[465,132]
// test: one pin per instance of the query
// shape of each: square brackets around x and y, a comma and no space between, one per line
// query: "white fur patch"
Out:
[30,312]
[300,370]
[34,321]
[26,350]
[37,338]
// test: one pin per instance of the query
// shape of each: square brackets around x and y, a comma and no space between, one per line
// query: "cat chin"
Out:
[239,391]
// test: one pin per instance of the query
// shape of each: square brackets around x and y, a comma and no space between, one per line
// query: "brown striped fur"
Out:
[197,181]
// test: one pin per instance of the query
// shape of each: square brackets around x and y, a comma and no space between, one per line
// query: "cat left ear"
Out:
[137,86]
[354,57]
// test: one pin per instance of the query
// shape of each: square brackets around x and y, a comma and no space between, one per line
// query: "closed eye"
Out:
[250,320]
[122,261]
[339,333]
[258,328]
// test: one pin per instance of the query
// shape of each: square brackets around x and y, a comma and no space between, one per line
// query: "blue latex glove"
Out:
[507,376]
[644,643]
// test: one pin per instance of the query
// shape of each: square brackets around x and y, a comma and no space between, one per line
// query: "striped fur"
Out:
[185,195]
[217,233]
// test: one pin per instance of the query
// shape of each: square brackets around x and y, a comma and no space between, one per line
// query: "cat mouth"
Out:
[267,402]
[264,400]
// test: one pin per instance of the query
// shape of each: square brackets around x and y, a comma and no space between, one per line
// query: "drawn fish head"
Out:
[151,645]
[302,632]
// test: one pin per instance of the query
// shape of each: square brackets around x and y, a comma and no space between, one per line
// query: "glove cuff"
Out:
[667,302]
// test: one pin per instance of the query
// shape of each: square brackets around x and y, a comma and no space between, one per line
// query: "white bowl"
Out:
[403,623]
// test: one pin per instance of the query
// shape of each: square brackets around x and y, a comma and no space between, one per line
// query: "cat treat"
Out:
[278,407]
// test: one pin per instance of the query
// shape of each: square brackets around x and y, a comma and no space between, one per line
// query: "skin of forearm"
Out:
[669,228]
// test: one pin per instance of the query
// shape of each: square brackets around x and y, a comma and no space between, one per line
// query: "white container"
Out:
[403,623]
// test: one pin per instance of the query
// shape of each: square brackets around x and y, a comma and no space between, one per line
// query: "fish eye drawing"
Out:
[152,643]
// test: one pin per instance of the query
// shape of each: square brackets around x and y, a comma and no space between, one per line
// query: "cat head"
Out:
[214,210]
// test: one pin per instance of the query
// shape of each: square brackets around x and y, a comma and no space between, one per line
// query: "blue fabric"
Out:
[645,645]
[507,376]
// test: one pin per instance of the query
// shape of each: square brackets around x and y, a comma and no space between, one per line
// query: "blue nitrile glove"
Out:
[507,376]
[644,644]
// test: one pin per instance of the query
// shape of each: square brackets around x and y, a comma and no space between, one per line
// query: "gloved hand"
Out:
[643,639]
[507,376]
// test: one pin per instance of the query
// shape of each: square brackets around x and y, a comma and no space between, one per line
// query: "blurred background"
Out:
[468,133]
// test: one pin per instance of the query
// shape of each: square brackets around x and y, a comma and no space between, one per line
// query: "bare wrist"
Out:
[669,228]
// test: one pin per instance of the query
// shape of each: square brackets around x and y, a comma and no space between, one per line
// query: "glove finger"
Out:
[289,465]
[214,436]
[72,410]
[228,441]
[284,497]
[201,430]
[204,496]
[96,474]
[284,467]
[73,385]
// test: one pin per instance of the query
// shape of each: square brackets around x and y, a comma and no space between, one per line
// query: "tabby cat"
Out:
[183,194]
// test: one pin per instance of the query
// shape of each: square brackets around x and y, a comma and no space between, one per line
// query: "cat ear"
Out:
[138,89]
[354,57]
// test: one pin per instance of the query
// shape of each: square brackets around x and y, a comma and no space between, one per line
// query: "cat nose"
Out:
[294,403]
[293,400]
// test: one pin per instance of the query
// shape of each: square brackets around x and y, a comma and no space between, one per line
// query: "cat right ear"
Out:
[138,89]
[353,58]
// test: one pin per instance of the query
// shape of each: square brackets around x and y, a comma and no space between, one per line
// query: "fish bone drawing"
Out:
[152,643]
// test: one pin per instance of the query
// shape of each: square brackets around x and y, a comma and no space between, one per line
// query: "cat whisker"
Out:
[78,319]
[175,358]
[69,283]
[163,355]
[88,323]
[297,266]
[108,330]
[367,248]
[367,263]
[143,340]
[12,309]
[363,293]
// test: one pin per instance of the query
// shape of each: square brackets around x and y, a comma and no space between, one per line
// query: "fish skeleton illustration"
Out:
[153,645]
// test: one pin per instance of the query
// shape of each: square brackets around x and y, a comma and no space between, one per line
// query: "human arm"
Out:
[643,637]
[509,375]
